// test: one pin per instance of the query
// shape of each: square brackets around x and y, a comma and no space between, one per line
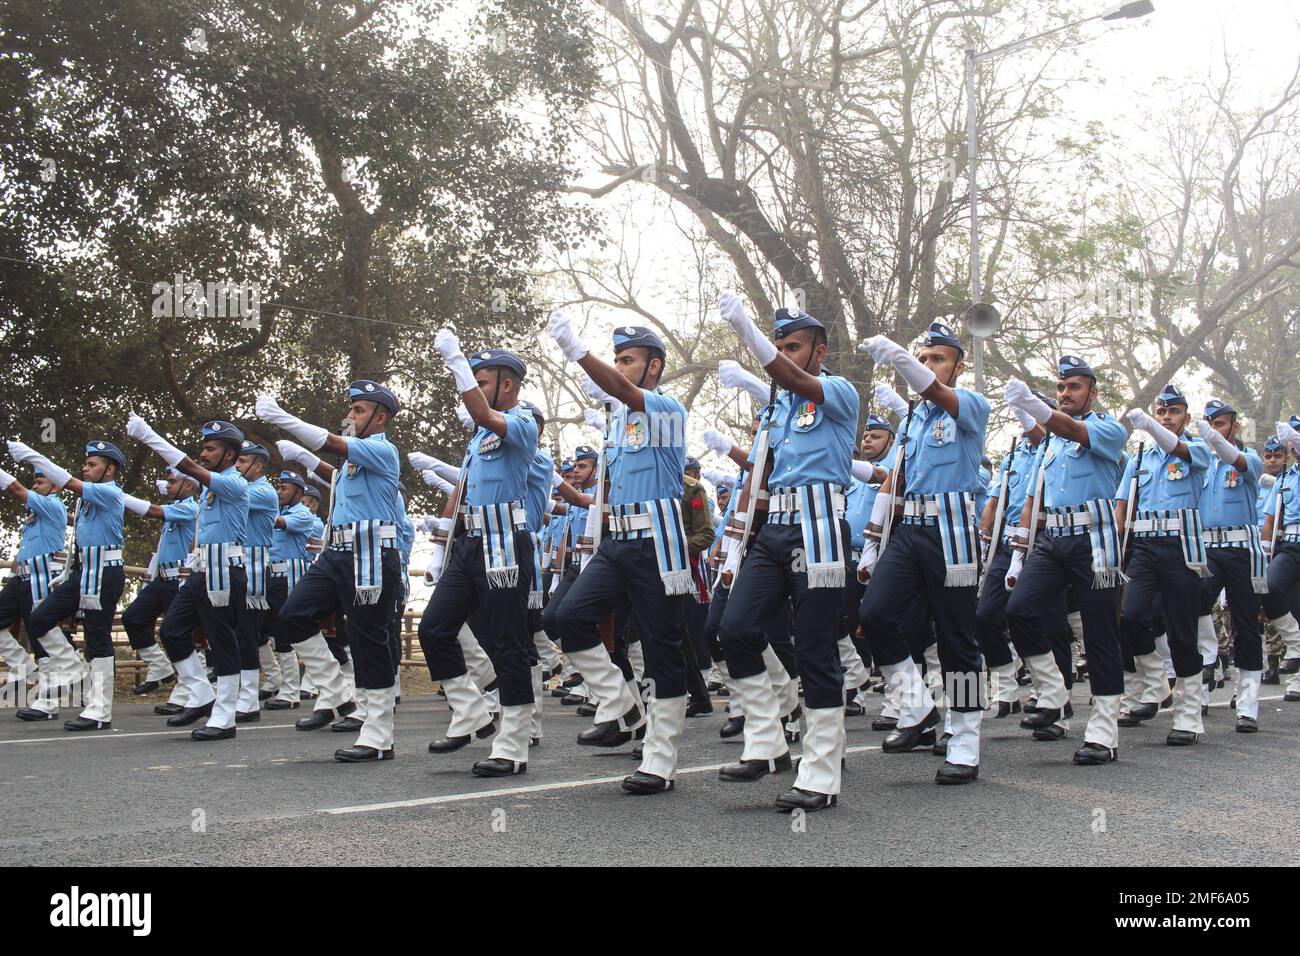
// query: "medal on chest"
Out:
[635,431]
[1175,470]
[805,414]
[1231,479]
[352,470]
[938,430]
[210,499]
[489,443]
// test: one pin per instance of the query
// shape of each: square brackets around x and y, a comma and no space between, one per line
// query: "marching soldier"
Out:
[488,568]
[180,519]
[933,554]
[357,575]
[801,552]
[643,563]
[289,559]
[1074,476]
[1235,556]
[1168,558]
[90,588]
[1282,532]
[1274,456]
[213,596]
[38,563]
[254,642]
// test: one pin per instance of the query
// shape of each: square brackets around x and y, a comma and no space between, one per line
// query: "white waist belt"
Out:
[1077,519]
[338,536]
[1157,524]
[24,572]
[920,508]
[475,525]
[1291,529]
[781,502]
[279,567]
[638,522]
[1218,536]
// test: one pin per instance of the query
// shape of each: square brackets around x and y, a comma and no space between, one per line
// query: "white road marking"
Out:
[516,791]
[178,732]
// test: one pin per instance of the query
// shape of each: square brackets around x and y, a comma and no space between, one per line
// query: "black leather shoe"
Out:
[534,741]
[498,767]
[308,694]
[573,680]
[1022,676]
[1050,732]
[248,716]
[1092,754]
[265,695]
[447,744]
[698,708]
[586,709]
[734,726]
[168,710]
[149,686]
[606,734]
[1030,706]
[884,723]
[212,733]
[190,715]
[1247,725]
[1167,702]
[275,703]
[1181,738]
[642,784]
[790,724]
[904,739]
[940,748]
[1289,665]
[31,713]
[854,709]
[808,801]
[1271,673]
[714,687]
[747,770]
[560,691]
[951,773]
[1291,696]
[1205,710]
[1069,708]
[1142,712]
[315,720]
[347,725]
[1041,717]
[1006,708]
[573,700]
[360,754]
[85,723]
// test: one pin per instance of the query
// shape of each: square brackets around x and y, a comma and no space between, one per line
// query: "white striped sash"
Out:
[217,560]
[367,558]
[819,517]
[960,541]
[669,536]
[39,574]
[255,597]
[1103,535]
[496,523]
[93,562]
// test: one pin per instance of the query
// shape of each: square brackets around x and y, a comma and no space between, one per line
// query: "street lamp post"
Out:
[982,317]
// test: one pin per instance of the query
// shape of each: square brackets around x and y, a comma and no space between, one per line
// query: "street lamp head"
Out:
[1129,11]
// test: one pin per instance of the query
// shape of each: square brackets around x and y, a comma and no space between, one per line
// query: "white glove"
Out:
[161,485]
[594,391]
[1267,481]
[870,558]
[718,442]
[1266,545]
[555,480]
[719,479]
[1162,436]
[446,345]
[292,451]
[434,480]
[885,350]
[422,462]
[732,375]
[1026,420]
[139,429]
[864,471]
[1020,397]
[138,505]
[428,523]
[733,313]
[1017,565]
[21,452]
[730,567]
[555,582]
[1225,449]
[465,417]
[594,418]
[268,410]
[434,572]
[1287,434]
[886,397]
[6,479]
[566,338]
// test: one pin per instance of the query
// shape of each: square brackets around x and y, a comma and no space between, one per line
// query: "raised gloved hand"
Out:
[139,429]
[137,505]
[1019,396]
[594,391]
[719,479]
[1289,436]
[420,461]
[465,417]
[886,397]
[444,342]
[886,351]
[1163,437]
[718,442]
[594,419]
[292,451]
[268,410]
[1225,450]
[733,313]
[733,375]
[434,480]
[161,485]
[561,329]
[6,479]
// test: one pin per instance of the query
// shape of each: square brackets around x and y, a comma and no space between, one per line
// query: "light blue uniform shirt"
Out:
[99,515]
[290,542]
[540,474]
[317,527]
[648,455]
[982,496]
[1019,482]
[366,489]
[861,499]
[1288,486]
[177,538]
[575,523]
[223,508]
[1166,482]
[1230,499]
[498,468]
[263,506]
[405,532]
[811,443]
[1075,473]
[45,528]
[943,453]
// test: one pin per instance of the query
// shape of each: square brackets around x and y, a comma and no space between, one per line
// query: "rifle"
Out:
[900,478]
[753,486]
[1133,491]
[999,514]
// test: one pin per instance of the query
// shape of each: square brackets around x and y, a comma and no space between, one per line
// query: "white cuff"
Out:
[880,509]
[313,436]
[863,471]
[6,479]
[458,365]
[917,376]
[138,505]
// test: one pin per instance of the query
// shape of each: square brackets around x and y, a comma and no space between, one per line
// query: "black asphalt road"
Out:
[143,794]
